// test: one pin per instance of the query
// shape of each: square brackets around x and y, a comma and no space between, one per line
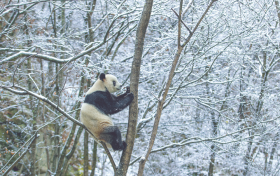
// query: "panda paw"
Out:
[124,145]
[127,89]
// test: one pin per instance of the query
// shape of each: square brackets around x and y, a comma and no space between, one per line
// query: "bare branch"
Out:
[198,23]
[187,8]
[35,136]
[181,20]
[170,77]
[54,59]
[110,156]
[40,97]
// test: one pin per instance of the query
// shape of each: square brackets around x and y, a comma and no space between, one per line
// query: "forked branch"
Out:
[181,21]
[170,77]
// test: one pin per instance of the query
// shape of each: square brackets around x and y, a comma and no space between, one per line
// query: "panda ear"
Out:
[102,76]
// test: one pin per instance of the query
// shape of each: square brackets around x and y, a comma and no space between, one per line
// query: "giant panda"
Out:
[99,104]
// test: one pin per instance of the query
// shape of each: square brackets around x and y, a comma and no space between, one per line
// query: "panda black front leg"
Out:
[120,97]
[122,103]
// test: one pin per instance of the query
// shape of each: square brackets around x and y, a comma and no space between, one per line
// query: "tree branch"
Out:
[181,20]
[170,77]
[40,97]
[54,59]
[198,23]
[110,156]
[35,136]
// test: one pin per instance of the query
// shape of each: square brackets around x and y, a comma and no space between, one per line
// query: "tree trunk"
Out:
[94,158]
[257,116]
[134,81]
[273,150]
[86,154]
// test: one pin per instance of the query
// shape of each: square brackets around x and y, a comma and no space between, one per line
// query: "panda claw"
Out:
[124,145]
[132,96]
[127,89]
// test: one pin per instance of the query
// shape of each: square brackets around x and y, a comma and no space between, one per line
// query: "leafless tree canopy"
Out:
[204,74]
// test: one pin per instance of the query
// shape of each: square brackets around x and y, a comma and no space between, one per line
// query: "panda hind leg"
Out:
[112,135]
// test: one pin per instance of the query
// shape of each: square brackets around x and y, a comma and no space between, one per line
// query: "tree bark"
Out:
[86,153]
[248,156]
[277,9]
[70,154]
[273,150]
[134,81]
[94,158]
[67,144]
[214,129]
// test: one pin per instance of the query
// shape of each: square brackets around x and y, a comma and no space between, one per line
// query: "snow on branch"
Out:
[40,97]
[30,141]
[50,58]
[198,140]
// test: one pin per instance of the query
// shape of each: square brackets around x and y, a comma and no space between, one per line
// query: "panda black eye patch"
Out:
[114,83]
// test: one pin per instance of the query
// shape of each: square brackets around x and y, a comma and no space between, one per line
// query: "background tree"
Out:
[221,111]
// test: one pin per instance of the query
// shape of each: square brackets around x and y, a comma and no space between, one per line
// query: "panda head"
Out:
[110,82]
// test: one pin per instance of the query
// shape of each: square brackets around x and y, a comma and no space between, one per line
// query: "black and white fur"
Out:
[99,104]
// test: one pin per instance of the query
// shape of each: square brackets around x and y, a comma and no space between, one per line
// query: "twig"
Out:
[158,99]
[170,77]
[109,155]
[18,65]
[54,59]
[198,140]
[198,23]
[21,156]
[29,75]
[187,8]
[40,97]
[181,21]
[126,80]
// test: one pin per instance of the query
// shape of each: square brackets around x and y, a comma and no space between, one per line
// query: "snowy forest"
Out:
[204,74]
